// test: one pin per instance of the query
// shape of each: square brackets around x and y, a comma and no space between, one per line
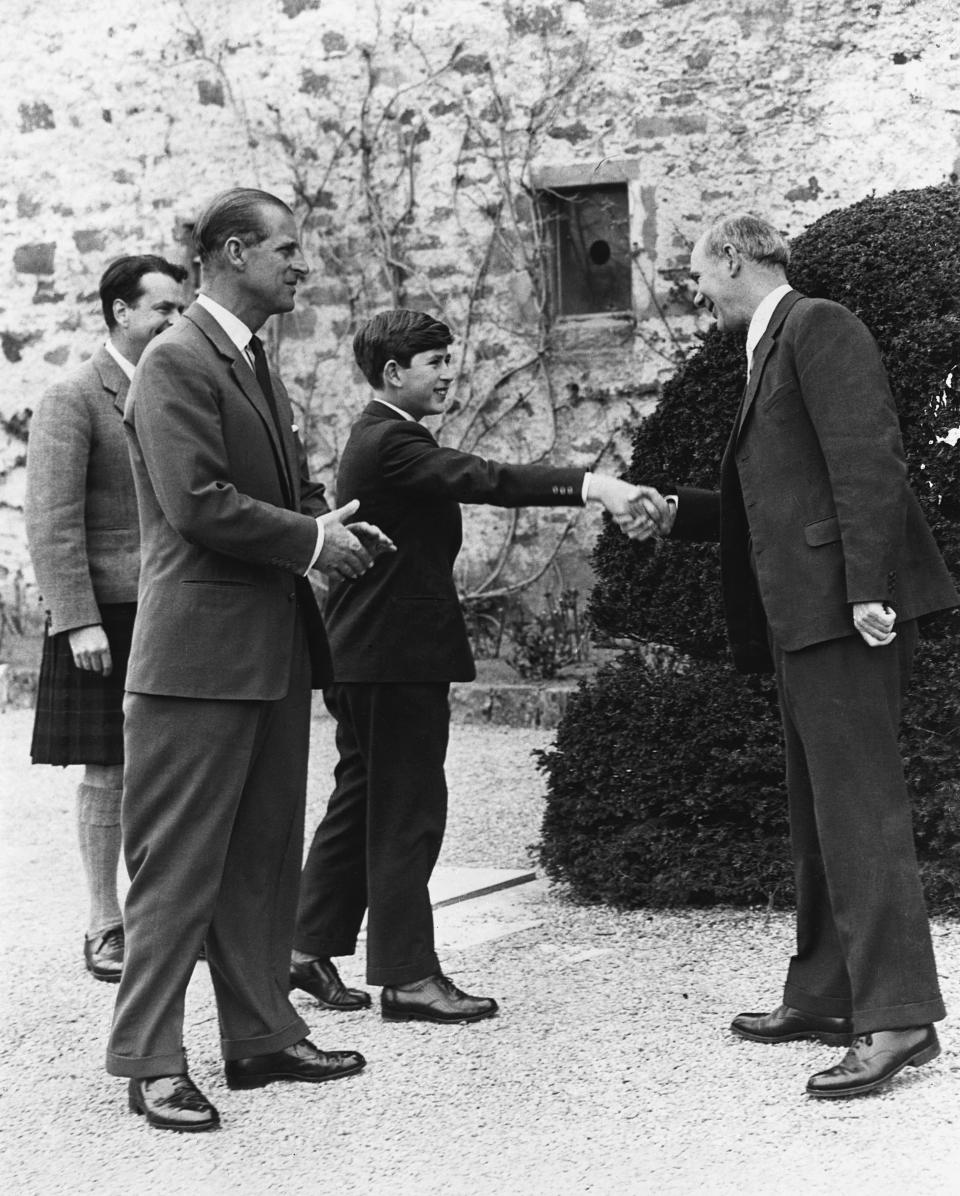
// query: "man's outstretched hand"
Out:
[639,511]
[349,551]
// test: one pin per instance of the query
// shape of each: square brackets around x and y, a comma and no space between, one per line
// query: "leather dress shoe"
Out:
[873,1059]
[172,1103]
[322,981]
[103,955]
[302,1061]
[790,1025]
[434,999]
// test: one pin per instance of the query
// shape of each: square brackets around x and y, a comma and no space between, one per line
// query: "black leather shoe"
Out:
[321,980]
[790,1025]
[103,955]
[302,1061]
[875,1058]
[435,999]
[173,1103]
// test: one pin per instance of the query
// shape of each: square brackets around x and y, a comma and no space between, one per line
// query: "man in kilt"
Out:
[84,540]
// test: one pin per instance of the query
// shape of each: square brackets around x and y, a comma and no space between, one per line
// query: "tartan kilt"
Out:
[79,713]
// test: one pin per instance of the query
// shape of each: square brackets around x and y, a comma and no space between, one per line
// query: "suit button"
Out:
[290,597]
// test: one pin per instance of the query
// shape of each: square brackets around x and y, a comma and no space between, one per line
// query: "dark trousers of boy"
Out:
[375,849]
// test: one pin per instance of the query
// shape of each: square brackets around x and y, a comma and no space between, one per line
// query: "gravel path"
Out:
[610,1069]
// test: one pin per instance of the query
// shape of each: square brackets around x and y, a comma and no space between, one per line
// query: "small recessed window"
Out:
[588,233]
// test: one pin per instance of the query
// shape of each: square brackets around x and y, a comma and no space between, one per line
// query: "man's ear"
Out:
[234,251]
[731,256]
[120,309]
[391,373]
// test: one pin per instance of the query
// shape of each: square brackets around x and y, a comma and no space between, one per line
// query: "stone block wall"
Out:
[409,137]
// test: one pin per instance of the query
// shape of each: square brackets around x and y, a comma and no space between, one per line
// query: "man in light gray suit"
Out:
[83,533]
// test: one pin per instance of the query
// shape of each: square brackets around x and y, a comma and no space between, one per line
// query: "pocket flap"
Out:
[824,531]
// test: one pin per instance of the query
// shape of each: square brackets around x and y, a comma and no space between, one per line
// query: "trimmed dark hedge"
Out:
[666,787]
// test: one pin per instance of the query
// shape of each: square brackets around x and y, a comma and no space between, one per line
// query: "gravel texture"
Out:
[609,1070]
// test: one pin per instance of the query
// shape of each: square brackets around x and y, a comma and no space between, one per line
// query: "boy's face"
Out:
[421,387]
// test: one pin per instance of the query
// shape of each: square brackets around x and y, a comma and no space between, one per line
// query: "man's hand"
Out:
[638,511]
[874,621]
[372,538]
[344,554]
[91,649]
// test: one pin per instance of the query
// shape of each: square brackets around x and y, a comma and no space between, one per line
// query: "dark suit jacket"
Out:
[81,506]
[402,620]
[227,523]
[814,487]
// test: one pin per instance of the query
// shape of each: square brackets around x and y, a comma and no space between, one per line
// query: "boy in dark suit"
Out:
[398,639]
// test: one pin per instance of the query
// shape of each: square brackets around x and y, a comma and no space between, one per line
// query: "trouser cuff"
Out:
[137,1068]
[899,1017]
[815,1004]
[266,1044]
[312,945]
[429,965]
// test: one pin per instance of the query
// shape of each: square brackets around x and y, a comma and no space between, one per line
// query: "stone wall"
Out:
[408,136]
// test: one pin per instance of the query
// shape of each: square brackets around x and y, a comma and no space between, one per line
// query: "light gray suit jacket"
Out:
[81,505]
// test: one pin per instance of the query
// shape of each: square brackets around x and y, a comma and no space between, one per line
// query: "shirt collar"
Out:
[118,357]
[234,327]
[399,410]
[761,318]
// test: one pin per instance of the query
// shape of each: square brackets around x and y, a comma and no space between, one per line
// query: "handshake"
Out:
[639,511]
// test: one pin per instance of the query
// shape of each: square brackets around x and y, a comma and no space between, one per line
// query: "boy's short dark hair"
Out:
[121,280]
[396,335]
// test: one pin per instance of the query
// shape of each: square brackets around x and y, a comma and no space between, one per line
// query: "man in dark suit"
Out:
[228,641]
[398,639]
[84,536]
[827,563]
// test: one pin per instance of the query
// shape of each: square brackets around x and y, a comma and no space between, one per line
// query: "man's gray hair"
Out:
[754,237]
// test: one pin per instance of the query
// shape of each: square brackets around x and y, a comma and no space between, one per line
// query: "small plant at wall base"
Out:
[665,786]
[543,643]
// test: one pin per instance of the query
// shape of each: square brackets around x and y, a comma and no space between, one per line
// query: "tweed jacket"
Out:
[814,511]
[81,506]
[227,521]
[402,620]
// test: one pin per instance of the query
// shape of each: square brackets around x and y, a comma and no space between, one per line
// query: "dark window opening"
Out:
[588,232]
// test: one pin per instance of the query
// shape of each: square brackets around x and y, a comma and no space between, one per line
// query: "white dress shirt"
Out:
[127,366]
[761,318]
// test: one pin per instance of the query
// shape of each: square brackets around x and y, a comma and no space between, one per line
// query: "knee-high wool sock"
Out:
[98,827]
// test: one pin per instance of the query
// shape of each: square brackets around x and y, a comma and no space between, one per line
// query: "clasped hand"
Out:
[639,511]
[874,621]
[348,551]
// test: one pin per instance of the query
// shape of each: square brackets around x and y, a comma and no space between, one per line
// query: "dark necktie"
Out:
[263,377]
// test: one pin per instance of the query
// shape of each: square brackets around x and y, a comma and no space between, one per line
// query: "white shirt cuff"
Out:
[584,489]
[316,551]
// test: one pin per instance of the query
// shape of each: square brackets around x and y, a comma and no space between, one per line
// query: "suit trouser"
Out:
[376,846]
[863,940]
[213,810]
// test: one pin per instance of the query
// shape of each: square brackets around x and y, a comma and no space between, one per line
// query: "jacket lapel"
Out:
[247,384]
[112,377]
[762,352]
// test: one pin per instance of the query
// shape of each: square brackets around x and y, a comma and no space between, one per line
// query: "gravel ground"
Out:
[610,1069]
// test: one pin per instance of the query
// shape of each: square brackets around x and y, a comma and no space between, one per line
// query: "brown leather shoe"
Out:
[873,1059]
[322,981]
[790,1025]
[302,1061]
[103,955]
[434,999]
[172,1103]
